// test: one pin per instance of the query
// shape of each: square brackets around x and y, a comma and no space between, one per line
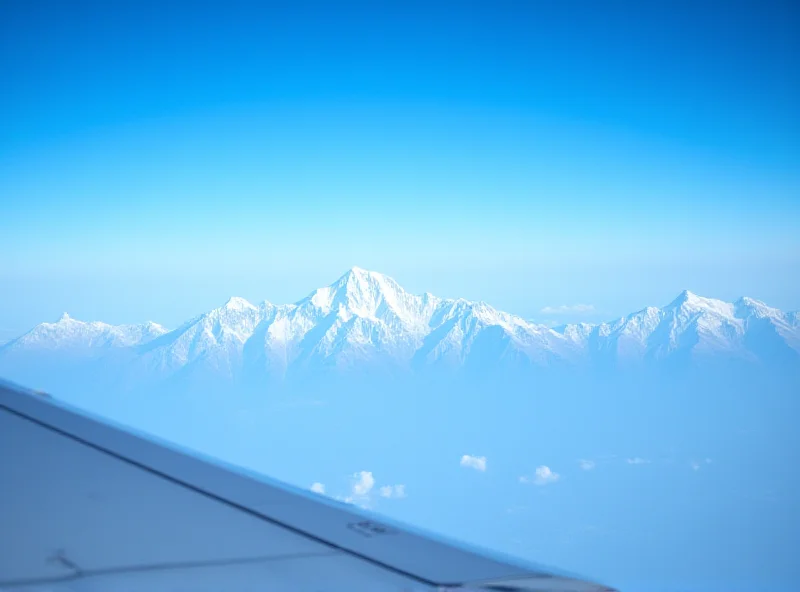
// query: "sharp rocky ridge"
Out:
[367,320]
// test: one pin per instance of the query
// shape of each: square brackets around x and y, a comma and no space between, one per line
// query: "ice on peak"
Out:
[374,297]
[752,303]
[68,333]
[360,291]
[238,303]
[355,281]
[365,315]
[747,306]
[153,327]
[685,297]
[359,274]
[266,307]
[352,273]
[692,303]
[323,298]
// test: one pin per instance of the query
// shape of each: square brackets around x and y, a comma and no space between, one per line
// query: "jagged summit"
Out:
[689,303]
[238,303]
[686,296]
[69,334]
[746,306]
[689,299]
[356,276]
[366,318]
[366,294]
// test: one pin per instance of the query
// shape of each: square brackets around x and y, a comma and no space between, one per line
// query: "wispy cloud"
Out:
[586,465]
[393,491]
[318,488]
[474,462]
[542,476]
[566,309]
[637,461]
[696,465]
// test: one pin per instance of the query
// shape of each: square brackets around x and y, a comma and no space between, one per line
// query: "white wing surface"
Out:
[88,506]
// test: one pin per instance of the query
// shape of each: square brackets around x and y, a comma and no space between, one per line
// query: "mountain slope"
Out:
[365,321]
[214,339]
[693,327]
[68,334]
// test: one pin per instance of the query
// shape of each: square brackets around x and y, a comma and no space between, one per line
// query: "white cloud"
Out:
[542,476]
[587,465]
[565,309]
[393,491]
[364,491]
[318,488]
[364,482]
[474,462]
[637,461]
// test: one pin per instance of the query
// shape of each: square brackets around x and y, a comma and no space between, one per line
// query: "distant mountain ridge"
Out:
[70,333]
[367,320]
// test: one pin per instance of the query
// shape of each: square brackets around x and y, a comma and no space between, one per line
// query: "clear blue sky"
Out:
[158,157]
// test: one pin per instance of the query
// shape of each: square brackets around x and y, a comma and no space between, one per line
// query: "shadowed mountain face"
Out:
[365,324]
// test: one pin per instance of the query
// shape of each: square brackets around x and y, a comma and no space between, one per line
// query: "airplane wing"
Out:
[88,506]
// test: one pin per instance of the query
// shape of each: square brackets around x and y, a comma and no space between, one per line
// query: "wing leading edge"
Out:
[87,506]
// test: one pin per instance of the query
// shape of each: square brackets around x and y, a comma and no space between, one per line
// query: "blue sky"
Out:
[157,159]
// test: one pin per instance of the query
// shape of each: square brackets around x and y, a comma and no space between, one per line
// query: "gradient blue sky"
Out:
[157,158]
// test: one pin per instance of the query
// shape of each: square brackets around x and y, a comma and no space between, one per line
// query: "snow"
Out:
[237,303]
[71,334]
[366,318]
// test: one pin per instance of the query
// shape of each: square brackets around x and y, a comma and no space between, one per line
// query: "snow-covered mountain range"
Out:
[70,334]
[365,320]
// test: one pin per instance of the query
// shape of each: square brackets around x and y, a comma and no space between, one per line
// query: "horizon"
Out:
[519,155]
[560,162]
[4,337]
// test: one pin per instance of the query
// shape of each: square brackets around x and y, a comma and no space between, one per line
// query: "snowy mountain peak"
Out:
[750,307]
[357,278]
[685,298]
[354,276]
[365,294]
[690,303]
[69,333]
[366,318]
[237,303]
[752,302]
